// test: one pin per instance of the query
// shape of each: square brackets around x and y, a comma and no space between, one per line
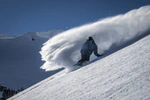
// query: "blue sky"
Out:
[20,16]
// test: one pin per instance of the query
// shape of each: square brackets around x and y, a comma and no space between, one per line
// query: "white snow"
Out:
[63,50]
[123,75]
[20,59]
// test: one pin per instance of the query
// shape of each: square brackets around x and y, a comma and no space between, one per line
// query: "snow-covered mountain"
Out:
[123,75]
[20,60]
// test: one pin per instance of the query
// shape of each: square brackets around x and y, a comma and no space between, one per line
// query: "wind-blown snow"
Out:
[63,50]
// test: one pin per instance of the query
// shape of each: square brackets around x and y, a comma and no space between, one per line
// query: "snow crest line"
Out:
[63,50]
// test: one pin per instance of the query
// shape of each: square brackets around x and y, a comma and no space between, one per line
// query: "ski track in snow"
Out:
[63,50]
[123,75]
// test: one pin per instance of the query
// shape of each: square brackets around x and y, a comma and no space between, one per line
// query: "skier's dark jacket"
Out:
[88,48]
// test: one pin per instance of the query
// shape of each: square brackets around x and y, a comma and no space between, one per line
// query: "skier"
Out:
[87,49]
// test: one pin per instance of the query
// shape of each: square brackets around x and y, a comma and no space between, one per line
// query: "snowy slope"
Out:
[123,75]
[20,59]
[109,34]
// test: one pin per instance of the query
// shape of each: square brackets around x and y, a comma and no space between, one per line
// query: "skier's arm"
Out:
[95,52]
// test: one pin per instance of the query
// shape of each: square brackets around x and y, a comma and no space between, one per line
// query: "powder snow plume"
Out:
[63,50]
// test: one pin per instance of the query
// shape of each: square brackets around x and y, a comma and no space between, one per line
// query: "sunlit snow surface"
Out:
[63,50]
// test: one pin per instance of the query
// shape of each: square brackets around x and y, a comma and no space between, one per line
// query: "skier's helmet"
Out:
[90,39]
